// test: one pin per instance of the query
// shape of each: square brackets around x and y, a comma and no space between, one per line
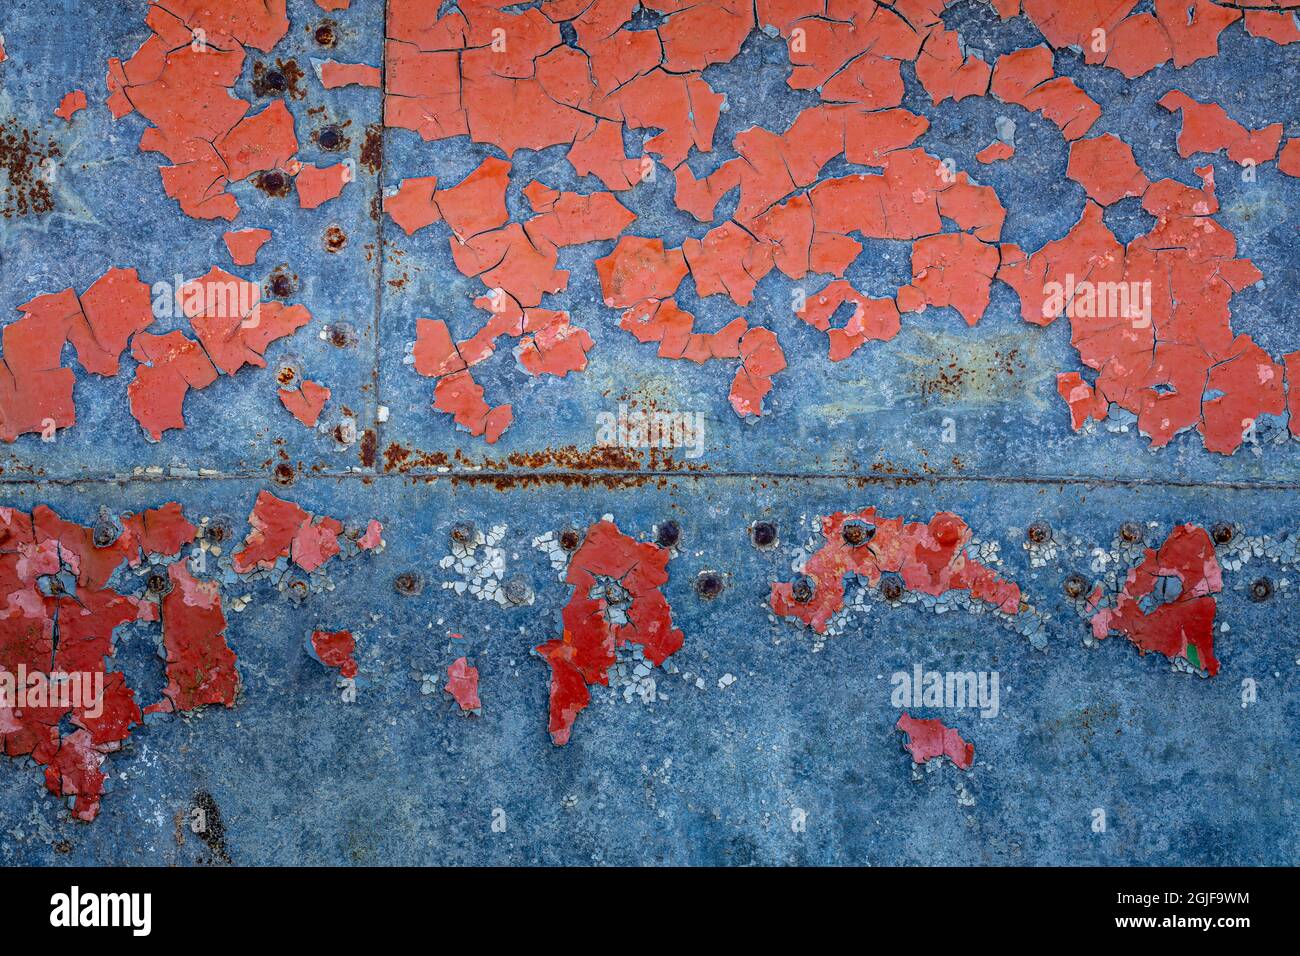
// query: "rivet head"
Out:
[763,534]
[802,588]
[708,584]
[1130,532]
[1039,532]
[463,532]
[104,533]
[283,474]
[857,533]
[517,590]
[570,538]
[1076,585]
[158,582]
[1261,589]
[409,583]
[1221,532]
[891,587]
[668,534]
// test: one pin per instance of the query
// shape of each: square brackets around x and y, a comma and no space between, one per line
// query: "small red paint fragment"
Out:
[334,74]
[281,529]
[929,739]
[930,558]
[170,365]
[462,684]
[995,152]
[335,649]
[607,561]
[1180,625]
[244,245]
[1289,160]
[70,104]
[333,5]
[306,401]
[318,185]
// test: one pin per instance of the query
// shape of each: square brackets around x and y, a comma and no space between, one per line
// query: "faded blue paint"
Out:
[399,777]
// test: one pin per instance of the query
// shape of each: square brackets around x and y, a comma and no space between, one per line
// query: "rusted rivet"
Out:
[287,374]
[330,138]
[275,80]
[1075,586]
[104,533]
[325,34]
[158,582]
[708,584]
[1130,532]
[763,534]
[283,474]
[409,583]
[517,590]
[298,590]
[615,595]
[217,530]
[570,538]
[668,534]
[857,532]
[1039,532]
[463,532]
[891,587]
[273,182]
[1221,532]
[341,336]
[1261,589]
[335,239]
[802,588]
[281,285]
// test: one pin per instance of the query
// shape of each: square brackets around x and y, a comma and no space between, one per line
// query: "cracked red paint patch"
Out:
[617,599]
[1167,603]
[336,649]
[305,402]
[930,739]
[929,558]
[462,685]
[1207,128]
[281,530]
[333,74]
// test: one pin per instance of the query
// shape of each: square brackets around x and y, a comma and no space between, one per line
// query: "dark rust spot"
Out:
[369,447]
[668,534]
[281,285]
[857,532]
[802,588]
[1039,532]
[335,239]
[464,532]
[284,474]
[372,148]
[341,336]
[891,587]
[274,182]
[708,584]
[331,139]
[25,166]
[1130,532]
[325,35]
[409,583]
[763,534]
[1221,532]
[1261,589]
[570,538]
[158,583]
[1076,585]
[284,77]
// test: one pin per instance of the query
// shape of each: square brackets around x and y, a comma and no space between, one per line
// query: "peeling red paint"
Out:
[585,652]
[1289,160]
[1104,166]
[462,684]
[995,152]
[335,649]
[1182,627]
[70,104]
[1207,128]
[317,186]
[334,74]
[281,529]
[244,245]
[930,739]
[201,667]
[306,401]
[930,558]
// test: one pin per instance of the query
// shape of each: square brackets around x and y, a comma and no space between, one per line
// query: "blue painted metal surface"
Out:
[711,774]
